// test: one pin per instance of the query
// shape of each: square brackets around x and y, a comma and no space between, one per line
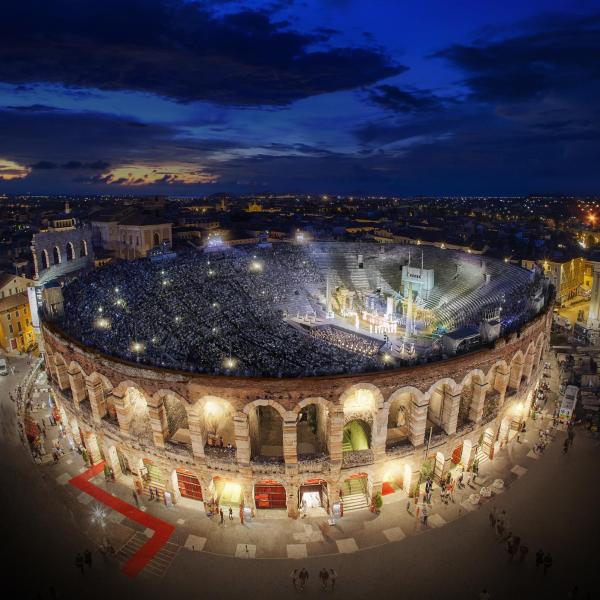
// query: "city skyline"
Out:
[189,98]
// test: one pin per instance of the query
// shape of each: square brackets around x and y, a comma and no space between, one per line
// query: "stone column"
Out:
[78,386]
[515,374]
[417,422]
[112,459]
[290,443]
[528,368]
[500,384]
[292,500]
[91,445]
[242,438]
[124,410]
[450,408]
[336,432]
[62,377]
[478,400]
[158,421]
[196,435]
[379,434]
[95,393]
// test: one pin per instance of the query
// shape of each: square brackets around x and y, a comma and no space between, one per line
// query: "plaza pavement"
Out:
[49,520]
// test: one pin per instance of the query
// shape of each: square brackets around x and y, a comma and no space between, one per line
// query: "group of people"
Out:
[300,578]
[346,340]
[217,312]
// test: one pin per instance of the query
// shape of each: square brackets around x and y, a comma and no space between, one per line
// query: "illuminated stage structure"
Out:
[298,441]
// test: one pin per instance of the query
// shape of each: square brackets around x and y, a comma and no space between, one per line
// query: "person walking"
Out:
[221,515]
[323,576]
[539,558]
[523,550]
[87,558]
[547,562]
[332,578]
[79,562]
[303,578]
[294,577]
[566,446]
[230,513]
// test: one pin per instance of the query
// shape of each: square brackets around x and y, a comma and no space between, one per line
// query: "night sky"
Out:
[341,96]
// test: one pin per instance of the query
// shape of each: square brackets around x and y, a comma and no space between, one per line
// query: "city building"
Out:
[16,328]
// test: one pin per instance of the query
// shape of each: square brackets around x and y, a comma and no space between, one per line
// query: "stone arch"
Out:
[361,393]
[45,260]
[357,436]
[438,395]
[516,367]
[77,382]
[212,418]
[174,412]
[132,409]
[83,249]
[313,425]
[70,251]
[265,426]
[56,255]
[399,415]
[61,371]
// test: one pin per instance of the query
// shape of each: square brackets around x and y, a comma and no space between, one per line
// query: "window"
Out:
[70,251]
[56,255]
[18,315]
[8,316]
[19,326]
[83,251]
[45,260]
[10,328]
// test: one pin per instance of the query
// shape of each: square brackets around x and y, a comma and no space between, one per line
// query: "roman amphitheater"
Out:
[296,378]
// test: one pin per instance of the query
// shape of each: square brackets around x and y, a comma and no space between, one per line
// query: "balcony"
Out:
[398,447]
[224,459]
[268,464]
[313,463]
[355,458]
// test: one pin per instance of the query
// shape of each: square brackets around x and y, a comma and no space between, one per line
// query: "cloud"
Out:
[550,57]
[395,99]
[10,170]
[179,50]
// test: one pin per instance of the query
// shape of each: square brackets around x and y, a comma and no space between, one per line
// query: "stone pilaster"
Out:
[91,445]
[528,368]
[95,393]
[500,385]
[196,435]
[78,386]
[379,434]
[292,500]
[478,400]
[62,377]
[242,438]
[516,372]
[124,410]
[450,409]
[158,422]
[417,422]
[290,444]
[336,433]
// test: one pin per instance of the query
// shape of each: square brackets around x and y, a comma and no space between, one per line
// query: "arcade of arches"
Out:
[266,454]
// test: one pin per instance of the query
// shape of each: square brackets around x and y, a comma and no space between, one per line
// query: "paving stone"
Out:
[346,546]
[180,521]
[296,551]
[518,470]
[394,534]
[436,521]
[532,454]
[84,498]
[195,543]
[63,479]
[245,551]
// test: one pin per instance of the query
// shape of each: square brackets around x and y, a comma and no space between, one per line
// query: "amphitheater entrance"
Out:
[398,426]
[485,448]
[188,485]
[153,478]
[178,430]
[313,498]
[139,427]
[312,430]
[269,494]
[266,433]
[357,436]
[354,494]
[397,478]
[227,492]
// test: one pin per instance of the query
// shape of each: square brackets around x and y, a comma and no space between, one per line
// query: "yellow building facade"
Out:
[16,329]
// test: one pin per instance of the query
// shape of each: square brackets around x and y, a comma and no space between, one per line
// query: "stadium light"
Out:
[137,347]
[102,323]
[230,362]
[256,266]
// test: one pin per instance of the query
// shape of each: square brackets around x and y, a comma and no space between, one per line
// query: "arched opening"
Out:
[156,239]
[227,493]
[154,478]
[312,430]
[354,492]
[217,423]
[45,260]
[178,430]
[397,478]
[83,249]
[139,426]
[266,434]
[313,498]
[188,485]
[269,494]
[398,425]
[56,255]
[70,251]
[357,436]
[435,408]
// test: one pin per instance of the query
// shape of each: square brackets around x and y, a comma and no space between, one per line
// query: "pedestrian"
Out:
[294,578]
[303,578]
[135,498]
[566,446]
[151,492]
[79,562]
[221,515]
[547,562]
[460,479]
[523,550]
[230,513]
[87,558]
[539,558]
[571,436]
[408,506]
[323,576]
[332,578]
[425,515]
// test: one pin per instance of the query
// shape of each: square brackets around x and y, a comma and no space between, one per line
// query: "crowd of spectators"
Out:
[347,341]
[216,312]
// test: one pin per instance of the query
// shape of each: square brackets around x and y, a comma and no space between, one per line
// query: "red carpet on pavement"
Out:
[162,530]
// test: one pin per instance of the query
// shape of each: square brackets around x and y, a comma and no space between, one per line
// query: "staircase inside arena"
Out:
[354,495]
[155,480]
